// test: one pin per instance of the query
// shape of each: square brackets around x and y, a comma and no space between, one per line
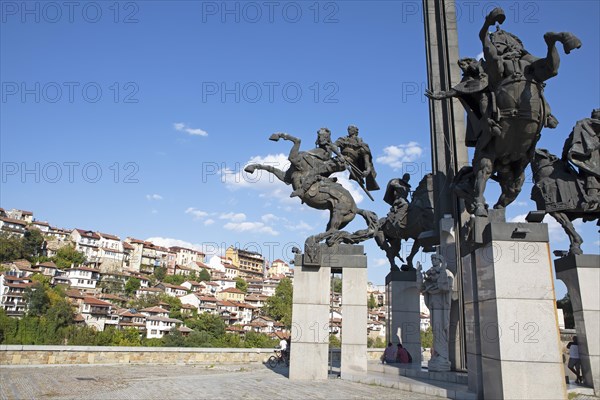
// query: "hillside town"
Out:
[115,277]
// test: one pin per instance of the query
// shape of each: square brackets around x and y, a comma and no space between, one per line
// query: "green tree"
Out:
[241,284]
[132,285]
[32,243]
[206,322]
[174,279]
[258,340]
[37,300]
[427,338]
[174,305]
[567,307]
[336,284]
[174,338]
[160,273]
[66,256]
[11,247]
[279,306]
[372,303]
[204,275]
[199,339]
[334,342]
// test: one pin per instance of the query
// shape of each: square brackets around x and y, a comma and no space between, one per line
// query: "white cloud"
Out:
[257,227]
[198,214]
[181,127]
[233,217]
[479,56]
[154,197]
[350,186]
[555,231]
[299,226]
[259,180]
[208,248]
[394,156]
[271,187]
[209,222]
[269,218]
[380,262]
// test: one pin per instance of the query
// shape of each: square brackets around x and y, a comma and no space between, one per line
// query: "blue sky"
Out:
[136,118]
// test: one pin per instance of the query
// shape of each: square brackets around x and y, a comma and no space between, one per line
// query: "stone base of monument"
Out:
[311,313]
[581,275]
[511,312]
[404,316]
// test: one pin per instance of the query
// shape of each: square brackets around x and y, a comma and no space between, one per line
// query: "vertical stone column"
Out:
[581,275]
[354,321]
[352,262]
[310,322]
[521,352]
[405,313]
[472,329]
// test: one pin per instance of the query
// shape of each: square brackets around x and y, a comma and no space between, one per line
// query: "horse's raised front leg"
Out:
[565,222]
[275,171]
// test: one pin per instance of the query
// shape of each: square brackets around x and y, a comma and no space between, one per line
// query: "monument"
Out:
[310,176]
[503,96]
[438,287]
[567,189]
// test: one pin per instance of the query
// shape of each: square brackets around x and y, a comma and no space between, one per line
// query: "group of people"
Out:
[396,355]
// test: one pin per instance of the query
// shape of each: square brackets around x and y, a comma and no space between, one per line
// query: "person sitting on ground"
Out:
[389,355]
[402,355]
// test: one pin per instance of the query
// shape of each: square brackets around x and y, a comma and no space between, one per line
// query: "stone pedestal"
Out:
[581,275]
[310,322]
[404,315]
[310,313]
[472,329]
[521,355]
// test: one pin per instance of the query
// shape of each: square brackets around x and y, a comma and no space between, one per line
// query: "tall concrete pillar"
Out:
[472,328]
[404,315]
[581,275]
[310,322]
[448,149]
[521,354]
[310,312]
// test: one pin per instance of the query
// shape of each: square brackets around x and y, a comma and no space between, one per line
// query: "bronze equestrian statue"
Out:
[565,192]
[405,220]
[504,98]
[310,177]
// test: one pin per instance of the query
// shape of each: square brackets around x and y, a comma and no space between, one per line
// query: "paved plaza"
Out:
[178,382]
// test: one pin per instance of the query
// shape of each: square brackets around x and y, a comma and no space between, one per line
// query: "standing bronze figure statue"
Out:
[310,177]
[567,193]
[504,98]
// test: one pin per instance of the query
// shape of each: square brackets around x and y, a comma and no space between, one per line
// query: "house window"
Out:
[153,331]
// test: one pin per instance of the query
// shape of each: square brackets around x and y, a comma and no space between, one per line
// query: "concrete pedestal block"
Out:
[310,322]
[354,318]
[472,329]
[581,275]
[404,314]
[311,308]
[521,354]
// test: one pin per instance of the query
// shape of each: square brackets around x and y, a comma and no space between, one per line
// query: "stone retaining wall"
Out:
[36,355]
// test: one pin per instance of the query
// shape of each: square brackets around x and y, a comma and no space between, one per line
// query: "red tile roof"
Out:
[96,302]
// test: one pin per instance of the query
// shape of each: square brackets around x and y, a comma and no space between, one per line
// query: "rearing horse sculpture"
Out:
[503,96]
[309,175]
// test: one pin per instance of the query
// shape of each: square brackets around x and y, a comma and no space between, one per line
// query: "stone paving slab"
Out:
[178,382]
